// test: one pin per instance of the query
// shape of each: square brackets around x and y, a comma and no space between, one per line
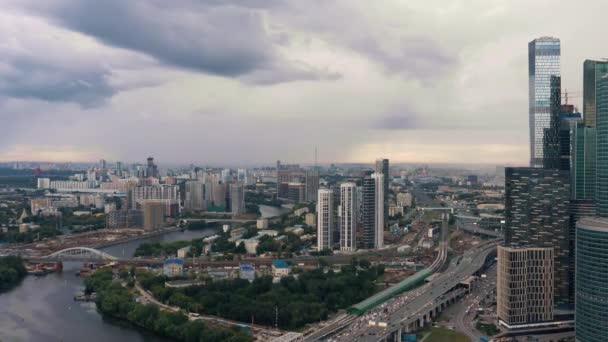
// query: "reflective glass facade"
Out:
[537,214]
[591,319]
[601,192]
[543,62]
[593,71]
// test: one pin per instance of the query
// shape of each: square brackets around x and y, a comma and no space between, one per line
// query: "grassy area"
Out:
[487,329]
[443,335]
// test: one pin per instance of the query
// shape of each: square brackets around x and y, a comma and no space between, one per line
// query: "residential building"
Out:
[591,280]
[348,216]
[44,183]
[262,223]
[382,167]
[296,192]
[195,196]
[537,214]
[543,62]
[312,185]
[325,219]
[125,218]
[153,214]
[372,214]
[237,198]
[525,285]
[182,253]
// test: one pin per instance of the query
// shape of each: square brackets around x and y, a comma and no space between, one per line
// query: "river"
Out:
[43,309]
[268,211]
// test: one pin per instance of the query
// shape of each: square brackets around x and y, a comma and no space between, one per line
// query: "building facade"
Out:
[312,185]
[348,216]
[382,167]
[154,214]
[195,196]
[372,211]
[593,71]
[591,318]
[237,198]
[325,219]
[524,289]
[537,214]
[601,192]
[543,62]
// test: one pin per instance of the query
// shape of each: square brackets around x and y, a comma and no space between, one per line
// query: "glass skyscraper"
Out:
[543,62]
[601,178]
[591,280]
[593,71]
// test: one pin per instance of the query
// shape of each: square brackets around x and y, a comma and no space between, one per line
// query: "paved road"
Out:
[410,304]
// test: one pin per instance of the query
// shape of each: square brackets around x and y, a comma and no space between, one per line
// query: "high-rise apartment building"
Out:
[237,198]
[154,214]
[348,216]
[524,289]
[195,196]
[312,185]
[543,62]
[537,214]
[591,280]
[325,219]
[382,167]
[373,211]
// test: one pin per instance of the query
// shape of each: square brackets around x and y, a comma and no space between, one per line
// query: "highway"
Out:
[405,308]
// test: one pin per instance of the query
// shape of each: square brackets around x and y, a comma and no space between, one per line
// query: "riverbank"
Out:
[12,272]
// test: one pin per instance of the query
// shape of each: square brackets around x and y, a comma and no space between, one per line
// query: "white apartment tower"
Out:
[325,219]
[348,216]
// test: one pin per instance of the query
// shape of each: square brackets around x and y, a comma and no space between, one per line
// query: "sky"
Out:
[253,81]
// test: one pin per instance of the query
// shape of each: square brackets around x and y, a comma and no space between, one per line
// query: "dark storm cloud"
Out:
[417,57]
[29,78]
[226,38]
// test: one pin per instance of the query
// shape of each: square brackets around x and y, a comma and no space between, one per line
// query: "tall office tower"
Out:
[583,162]
[312,185]
[593,71]
[151,168]
[154,214]
[195,196]
[348,216]
[237,198]
[382,167]
[373,211]
[543,62]
[537,214]
[524,290]
[102,164]
[119,168]
[242,176]
[325,219]
[601,186]
[569,120]
[591,280]
[551,143]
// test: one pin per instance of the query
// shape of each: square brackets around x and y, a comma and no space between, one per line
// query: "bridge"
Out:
[80,254]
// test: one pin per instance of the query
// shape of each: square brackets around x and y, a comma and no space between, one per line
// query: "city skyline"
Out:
[99,94]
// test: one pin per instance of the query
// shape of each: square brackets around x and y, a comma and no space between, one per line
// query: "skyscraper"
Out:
[382,167]
[593,71]
[551,142]
[195,196]
[312,185]
[537,214]
[348,216]
[325,219]
[543,62]
[373,211]
[237,198]
[154,214]
[591,280]
[601,193]
[151,168]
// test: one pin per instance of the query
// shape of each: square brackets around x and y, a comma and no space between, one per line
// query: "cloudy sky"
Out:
[252,81]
